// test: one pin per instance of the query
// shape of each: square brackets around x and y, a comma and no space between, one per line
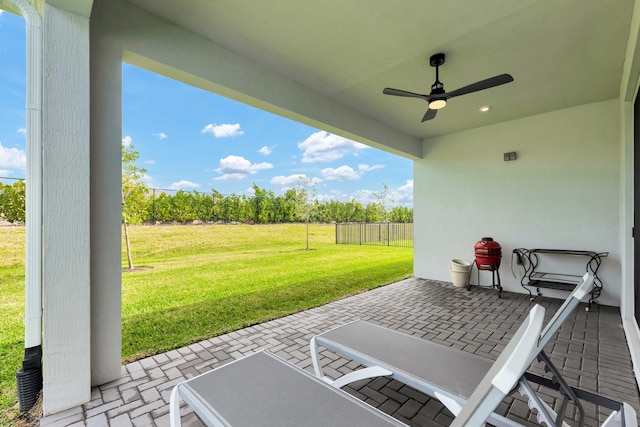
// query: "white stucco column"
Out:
[106,182]
[66,237]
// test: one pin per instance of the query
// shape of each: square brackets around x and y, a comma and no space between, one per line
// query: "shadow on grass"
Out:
[136,269]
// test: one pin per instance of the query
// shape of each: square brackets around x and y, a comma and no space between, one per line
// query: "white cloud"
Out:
[408,187]
[1,12]
[147,179]
[4,173]
[22,130]
[12,158]
[288,181]
[367,168]
[364,196]
[160,135]
[403,195]
[265,150]
[237,167]
[230,176]
[223,131]
[150,162]
[342,173]
[181,185]
[291,181]
[338,194]
[326,147]
[127,140]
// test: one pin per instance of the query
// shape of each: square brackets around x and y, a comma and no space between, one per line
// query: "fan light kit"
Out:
[437,104]
[438,98]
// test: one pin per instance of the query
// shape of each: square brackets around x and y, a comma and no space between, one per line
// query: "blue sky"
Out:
[191,139]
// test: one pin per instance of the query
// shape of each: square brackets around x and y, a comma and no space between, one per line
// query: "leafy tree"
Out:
[305,201]
[384,200]
[230,208]
[257,203]
[289,205]
[162,207]
[372,212]
[183,207]
[401,214]
[216,198]
[12,201]
[204,206]
[134,193]
[354,212]
[276,211]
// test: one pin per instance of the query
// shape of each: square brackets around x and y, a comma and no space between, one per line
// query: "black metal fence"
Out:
[382,234]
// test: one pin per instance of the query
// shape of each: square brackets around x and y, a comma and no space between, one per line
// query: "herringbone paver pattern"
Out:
[590,349]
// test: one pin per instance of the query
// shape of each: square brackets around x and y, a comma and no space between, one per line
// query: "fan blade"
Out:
[398,92]
[481,85]
[430,114]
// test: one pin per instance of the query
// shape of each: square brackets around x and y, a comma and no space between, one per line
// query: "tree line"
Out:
[141,204]
[13,201]
[264,207]
[147,205]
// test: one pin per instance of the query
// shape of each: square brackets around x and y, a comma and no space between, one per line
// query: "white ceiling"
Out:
[560,53]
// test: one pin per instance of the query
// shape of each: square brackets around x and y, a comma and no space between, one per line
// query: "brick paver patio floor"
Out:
[590,350]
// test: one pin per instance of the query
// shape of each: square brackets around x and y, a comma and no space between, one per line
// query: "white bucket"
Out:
[460,265]
[460,270]
[459,278]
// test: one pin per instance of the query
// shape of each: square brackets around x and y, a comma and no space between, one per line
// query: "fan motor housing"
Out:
[436,60]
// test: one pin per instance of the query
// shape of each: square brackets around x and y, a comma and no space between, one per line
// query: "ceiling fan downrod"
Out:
[438,99]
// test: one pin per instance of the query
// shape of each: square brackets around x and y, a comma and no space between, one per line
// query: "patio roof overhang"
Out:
[560,55]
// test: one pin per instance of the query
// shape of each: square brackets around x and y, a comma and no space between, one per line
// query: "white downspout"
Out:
[30,376]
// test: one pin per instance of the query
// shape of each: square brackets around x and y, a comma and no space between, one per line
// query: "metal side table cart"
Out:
[538,277]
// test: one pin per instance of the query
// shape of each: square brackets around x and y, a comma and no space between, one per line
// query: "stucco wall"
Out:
[562,192]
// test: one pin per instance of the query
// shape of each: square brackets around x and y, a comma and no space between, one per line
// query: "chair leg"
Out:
[174,406]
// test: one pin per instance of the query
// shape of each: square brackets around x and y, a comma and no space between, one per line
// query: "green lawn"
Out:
[195,282]
[11,315]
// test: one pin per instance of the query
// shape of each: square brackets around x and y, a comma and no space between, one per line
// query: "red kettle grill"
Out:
[488,254]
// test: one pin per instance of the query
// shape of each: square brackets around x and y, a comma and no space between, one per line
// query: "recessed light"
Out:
[485,108]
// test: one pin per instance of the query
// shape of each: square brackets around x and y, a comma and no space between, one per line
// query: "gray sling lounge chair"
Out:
[448,374]
[264,390]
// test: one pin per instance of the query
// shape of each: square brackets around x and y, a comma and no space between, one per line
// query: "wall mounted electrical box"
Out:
[510,156]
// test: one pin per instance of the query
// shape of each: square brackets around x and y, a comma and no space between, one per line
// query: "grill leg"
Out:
[495,279]
[495,268]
